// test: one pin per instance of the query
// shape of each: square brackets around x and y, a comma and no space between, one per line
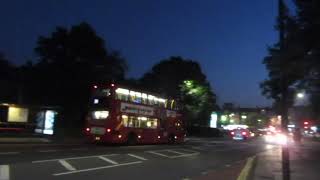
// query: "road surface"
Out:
[191,160]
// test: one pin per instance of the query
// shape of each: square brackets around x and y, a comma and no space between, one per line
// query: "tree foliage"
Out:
[284,62]
[8,90]
[184,80]
[308,18]
[68,62]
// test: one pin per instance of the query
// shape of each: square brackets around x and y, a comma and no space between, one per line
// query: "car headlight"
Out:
[100,114]
[282,139]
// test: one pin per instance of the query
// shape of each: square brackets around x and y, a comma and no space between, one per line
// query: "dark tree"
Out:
[183,80]
[284,63]
[8,88]
[167,76]
[308,18]
[69,62]
[285,69]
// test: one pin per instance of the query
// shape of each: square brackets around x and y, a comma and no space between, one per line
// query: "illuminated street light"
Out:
[244,117]
[259,120]
[188,83]
[300,95]
[223,118]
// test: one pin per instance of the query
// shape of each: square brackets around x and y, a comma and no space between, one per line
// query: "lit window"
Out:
[122,94]
[144,96]
[122,91]
[125,121]
[100,114]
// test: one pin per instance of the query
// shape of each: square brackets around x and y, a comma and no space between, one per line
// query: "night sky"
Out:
[227,37]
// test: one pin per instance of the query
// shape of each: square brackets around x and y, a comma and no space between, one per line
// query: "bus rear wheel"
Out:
[132,139]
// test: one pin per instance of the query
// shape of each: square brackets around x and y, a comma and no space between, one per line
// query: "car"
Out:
[240,134]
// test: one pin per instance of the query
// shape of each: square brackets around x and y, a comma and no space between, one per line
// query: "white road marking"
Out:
[97,168]
[67,165]
[79,149]
[8,153]
[176,152]
[49,150]
[198,148]
[138,157]
[81,157]
[187,150]
[204,172]
[184,155]
[186,178]
[107,160]
[159,154]
[4,172]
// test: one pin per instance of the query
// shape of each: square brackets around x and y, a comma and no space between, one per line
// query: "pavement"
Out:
[198,158]
[304,162]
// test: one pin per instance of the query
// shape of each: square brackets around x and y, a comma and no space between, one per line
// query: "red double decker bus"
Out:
[122,115]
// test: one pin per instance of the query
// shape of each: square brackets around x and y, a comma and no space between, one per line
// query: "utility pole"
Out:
[285,92]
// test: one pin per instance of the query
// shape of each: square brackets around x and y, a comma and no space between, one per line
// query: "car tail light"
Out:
[244,133]
[87,129]
[108,130]
[232,133]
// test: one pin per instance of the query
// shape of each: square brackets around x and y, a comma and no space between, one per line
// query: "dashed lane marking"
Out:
[81,157]
[107,160]
[138,157]
[187,150]
[198,148]
[97,168]
[49,150]
[159,154]
[180,154]
[176,152]
[184,155]
[67,165]
[4,172]
[79,149]
[8,153]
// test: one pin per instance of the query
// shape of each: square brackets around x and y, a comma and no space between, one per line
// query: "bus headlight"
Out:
[100,114]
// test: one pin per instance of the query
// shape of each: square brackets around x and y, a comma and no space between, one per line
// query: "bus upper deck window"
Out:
[144,98]
[151,99]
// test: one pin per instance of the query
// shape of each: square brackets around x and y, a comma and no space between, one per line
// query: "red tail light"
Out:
[244,133]
[87,129]
[108,130]
[232,133]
